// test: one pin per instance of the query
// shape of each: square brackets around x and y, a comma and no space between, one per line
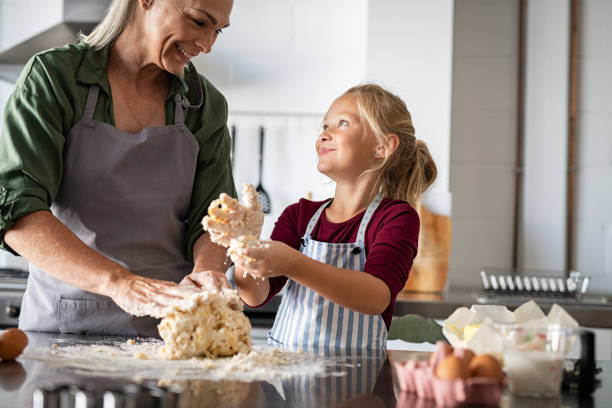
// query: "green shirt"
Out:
[49,99]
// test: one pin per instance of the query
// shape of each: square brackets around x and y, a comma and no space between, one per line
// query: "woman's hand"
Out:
[227,218]
[266,259]
[142,296]
[207,280]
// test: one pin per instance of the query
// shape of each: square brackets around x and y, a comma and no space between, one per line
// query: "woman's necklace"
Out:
[121,100]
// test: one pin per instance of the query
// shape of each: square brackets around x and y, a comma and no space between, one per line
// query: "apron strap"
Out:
[366,218]
[362,226]
[92,99]
[181,103]
[180,109]
[315,218]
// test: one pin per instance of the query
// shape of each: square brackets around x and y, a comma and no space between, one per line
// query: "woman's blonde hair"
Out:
[118,15]
[407,172]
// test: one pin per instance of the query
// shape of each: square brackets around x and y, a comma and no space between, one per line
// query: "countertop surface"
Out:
[591,311]
[362,381]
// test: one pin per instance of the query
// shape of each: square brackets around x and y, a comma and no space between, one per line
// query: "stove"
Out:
[12,286]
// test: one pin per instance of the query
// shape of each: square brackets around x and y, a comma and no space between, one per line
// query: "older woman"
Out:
[111,151]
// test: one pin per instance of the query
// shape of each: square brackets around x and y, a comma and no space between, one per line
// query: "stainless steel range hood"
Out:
[76,16]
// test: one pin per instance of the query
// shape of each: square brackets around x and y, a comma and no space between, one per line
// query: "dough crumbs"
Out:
[120,360]
[211,324]
[140,355]
[131,341]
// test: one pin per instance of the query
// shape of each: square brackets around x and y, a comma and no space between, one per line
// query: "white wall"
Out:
[410,50]
[482,137]
[543,217]
[288,56]
[593,244]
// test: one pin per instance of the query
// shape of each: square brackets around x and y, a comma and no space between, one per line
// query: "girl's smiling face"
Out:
[178,30]
[346,148]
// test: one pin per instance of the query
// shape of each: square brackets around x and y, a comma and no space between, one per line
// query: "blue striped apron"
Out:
[360,370]
[308,321]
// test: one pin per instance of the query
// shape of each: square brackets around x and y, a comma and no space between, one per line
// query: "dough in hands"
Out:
[211,324]
[227,219]
[237,247]
[236,226]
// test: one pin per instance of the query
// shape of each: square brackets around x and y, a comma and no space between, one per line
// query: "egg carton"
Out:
[419,378]
[573,286]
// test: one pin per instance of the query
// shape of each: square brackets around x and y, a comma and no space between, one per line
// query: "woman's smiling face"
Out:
[178,30]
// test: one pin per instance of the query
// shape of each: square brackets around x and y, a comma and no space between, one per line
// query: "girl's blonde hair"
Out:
[407,172]
[118,15]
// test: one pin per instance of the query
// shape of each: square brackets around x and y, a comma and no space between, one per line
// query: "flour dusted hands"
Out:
[263,259]
[140,296]
[228,219]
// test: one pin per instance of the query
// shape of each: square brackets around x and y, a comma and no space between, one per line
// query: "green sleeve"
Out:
[214,170]
[31,145]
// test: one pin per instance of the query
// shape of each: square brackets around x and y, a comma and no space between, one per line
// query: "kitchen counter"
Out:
[366,381]
[591,311]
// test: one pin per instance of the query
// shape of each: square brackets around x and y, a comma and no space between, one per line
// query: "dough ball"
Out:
[212,325]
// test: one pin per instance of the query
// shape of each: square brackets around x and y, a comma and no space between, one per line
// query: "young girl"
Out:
[344,260]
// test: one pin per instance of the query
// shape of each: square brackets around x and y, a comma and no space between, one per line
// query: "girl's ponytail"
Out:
[422,173]
[409,170]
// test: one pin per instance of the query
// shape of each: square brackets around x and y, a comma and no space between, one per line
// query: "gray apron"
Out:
[126,196]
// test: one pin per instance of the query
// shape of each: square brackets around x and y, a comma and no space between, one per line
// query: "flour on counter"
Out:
[145,360]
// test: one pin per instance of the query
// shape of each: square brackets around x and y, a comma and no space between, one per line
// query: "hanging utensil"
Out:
[233,151]
[264,197]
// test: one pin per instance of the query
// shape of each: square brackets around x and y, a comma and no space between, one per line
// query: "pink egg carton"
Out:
[418,377]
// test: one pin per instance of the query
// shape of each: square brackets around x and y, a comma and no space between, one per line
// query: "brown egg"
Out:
[465,354]
[441,351]
[451,368]
[12,343]
[485,365]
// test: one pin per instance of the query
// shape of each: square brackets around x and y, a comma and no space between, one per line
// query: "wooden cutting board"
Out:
[430,267]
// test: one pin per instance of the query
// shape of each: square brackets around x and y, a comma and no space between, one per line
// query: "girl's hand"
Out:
[142,296]
[227,218]
[266,259]
[206,280]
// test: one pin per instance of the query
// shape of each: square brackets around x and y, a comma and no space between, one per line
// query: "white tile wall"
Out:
[594,88]
[593,252]
[595,17]
[484,191]
[594,130]
[482,137]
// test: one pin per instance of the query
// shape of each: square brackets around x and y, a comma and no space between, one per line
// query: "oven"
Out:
[12,286]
